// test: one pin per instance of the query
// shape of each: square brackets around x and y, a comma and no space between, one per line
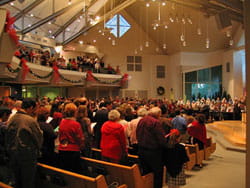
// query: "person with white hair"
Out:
[151,143]
[113,142]
[131,130]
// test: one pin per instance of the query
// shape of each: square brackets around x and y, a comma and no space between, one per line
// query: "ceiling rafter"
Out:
[208,8]
[3,2]
[28,8]
[229,5]
[117,9]
[71,20]
[65,25]
[51,17]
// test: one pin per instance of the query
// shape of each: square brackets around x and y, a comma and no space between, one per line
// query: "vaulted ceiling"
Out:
[184,25]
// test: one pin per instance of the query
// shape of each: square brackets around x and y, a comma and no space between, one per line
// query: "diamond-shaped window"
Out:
[119,25]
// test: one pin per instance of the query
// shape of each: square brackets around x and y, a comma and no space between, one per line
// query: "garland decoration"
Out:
[56,74]
[72,81]
[10,69]
[39,76]
[91,77]
[10,29]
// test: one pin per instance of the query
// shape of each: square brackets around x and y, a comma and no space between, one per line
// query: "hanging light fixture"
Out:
[183,20]
[147,38]
[104,30]
[199,32]
[189,19]
[231,42]
[69,2]
[141,48]
[164,46]
[157,22]
[184,43]
[176,18]
[207,36]
[171,18]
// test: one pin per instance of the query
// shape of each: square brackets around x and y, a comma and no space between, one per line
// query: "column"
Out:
[247,48]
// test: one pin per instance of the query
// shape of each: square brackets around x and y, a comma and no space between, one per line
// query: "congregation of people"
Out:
[79,63]
[58,132]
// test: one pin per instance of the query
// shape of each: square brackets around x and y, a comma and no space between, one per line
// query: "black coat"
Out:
[174,158]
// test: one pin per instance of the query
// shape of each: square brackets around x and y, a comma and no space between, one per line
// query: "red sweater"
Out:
[70,135]
[198,131]
[113,142]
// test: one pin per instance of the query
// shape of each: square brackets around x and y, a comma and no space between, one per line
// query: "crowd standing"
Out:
[79,63]
[57,132]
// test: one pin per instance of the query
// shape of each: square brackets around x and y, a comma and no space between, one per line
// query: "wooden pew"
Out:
[51,177]
[3,185]
[192,158]
[132,159]
[208,150]
[129,175]
[199,154]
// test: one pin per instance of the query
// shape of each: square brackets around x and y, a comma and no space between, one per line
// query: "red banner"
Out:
[124,79]
[56,73]
[10,29]
[25,69]
[89,76]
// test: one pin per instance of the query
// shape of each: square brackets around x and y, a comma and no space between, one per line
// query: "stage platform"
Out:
[230,134]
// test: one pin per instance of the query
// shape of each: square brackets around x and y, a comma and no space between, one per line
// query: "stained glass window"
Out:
[119,25]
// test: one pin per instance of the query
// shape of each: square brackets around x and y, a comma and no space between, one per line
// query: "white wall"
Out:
[176,64]
[238,62]
[174,76]
[126,46]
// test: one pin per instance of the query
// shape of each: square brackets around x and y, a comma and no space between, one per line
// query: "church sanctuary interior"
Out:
[189,56]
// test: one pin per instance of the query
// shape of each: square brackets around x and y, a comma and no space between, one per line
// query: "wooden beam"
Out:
[72,19]
[229,5]
[28,8]
[51,17]
[117,9]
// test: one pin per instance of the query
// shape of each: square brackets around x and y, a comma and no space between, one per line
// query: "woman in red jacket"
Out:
[113,142]
[71,140]
[197,131]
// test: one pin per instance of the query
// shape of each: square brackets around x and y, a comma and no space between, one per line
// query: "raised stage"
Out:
[232,131]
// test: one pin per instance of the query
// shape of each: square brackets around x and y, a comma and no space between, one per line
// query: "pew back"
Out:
[51,177]
[210,148]
[96,154]
[199,154]
[192,157]
[129,175]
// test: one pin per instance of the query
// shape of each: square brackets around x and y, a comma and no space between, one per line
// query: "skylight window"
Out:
[119,25]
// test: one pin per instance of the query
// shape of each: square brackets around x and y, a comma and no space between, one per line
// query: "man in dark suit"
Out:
[151,143]
[100,118]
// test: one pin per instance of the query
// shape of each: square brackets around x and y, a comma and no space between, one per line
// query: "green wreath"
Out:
[160,90]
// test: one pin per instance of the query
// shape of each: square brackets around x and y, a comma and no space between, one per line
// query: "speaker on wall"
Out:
[223,21]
